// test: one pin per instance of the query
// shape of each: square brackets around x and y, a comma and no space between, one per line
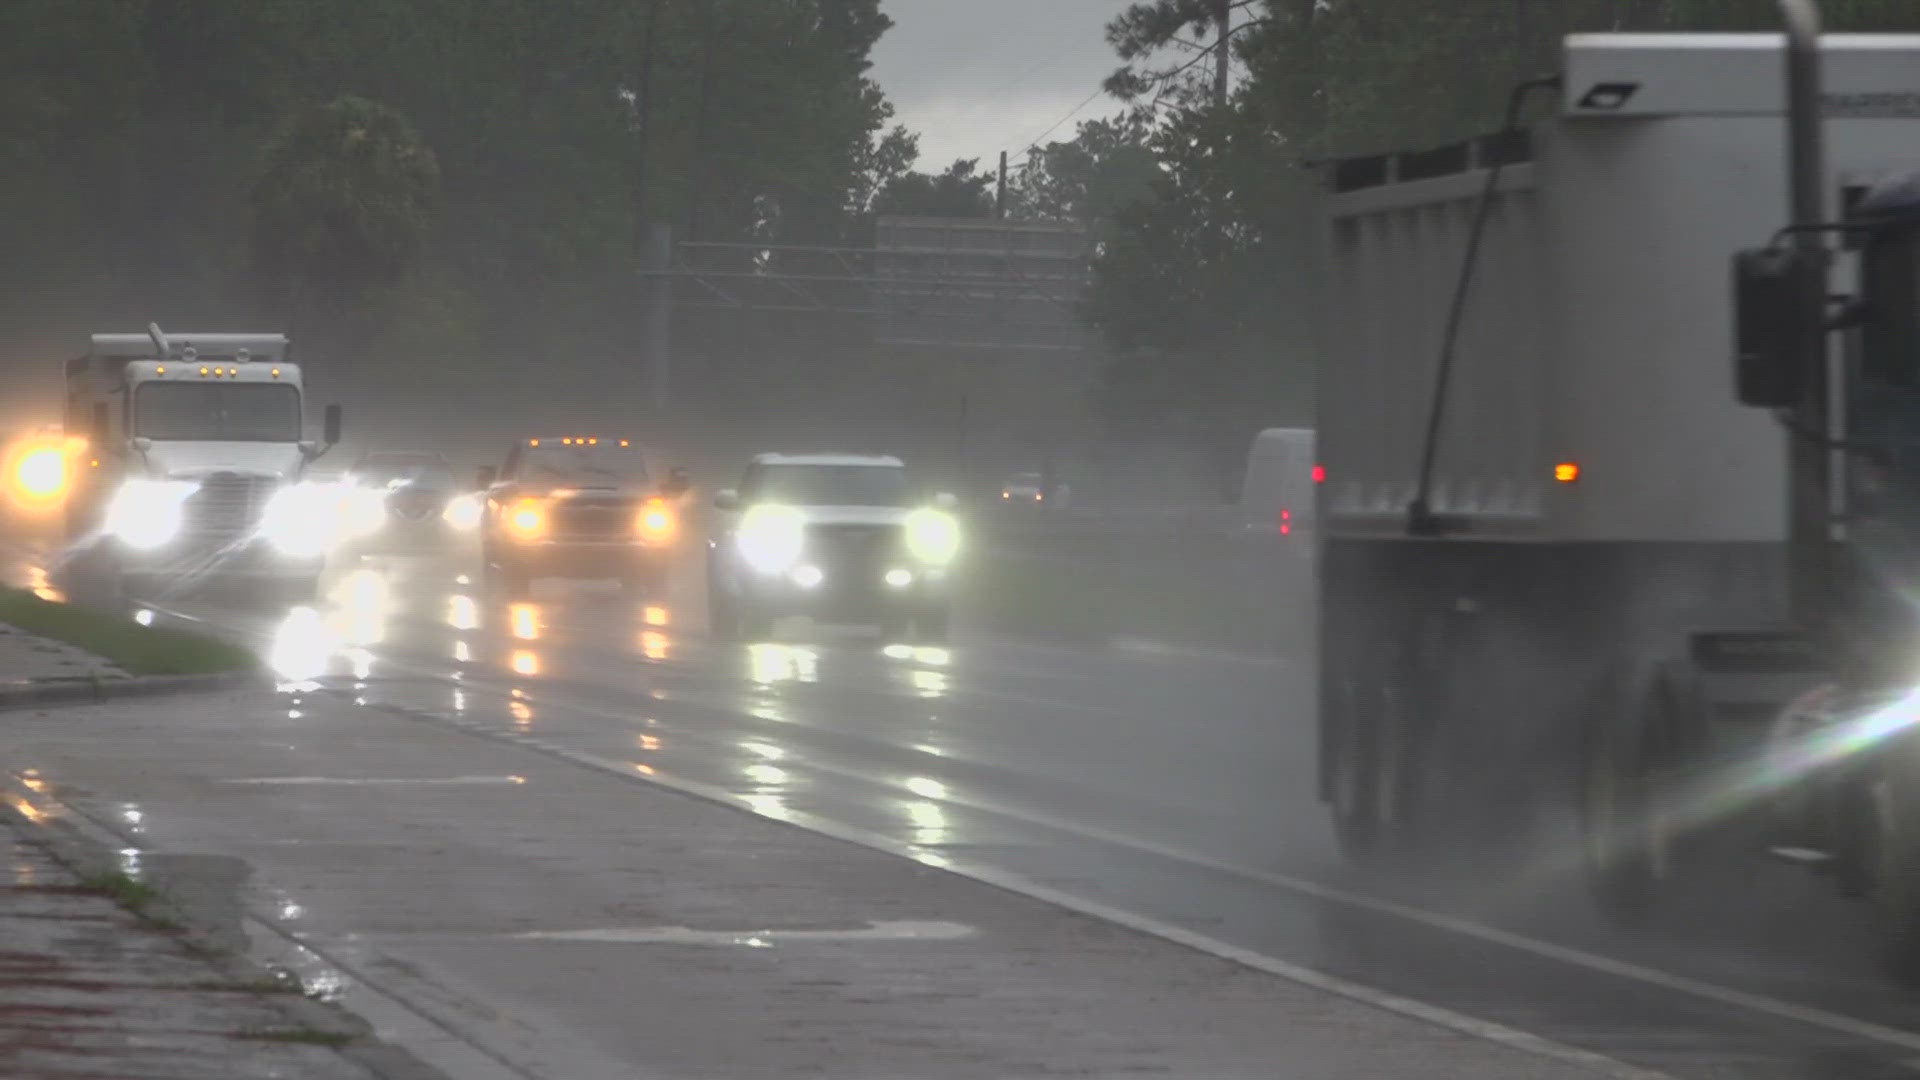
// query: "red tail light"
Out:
[1286,523]
[1319,474]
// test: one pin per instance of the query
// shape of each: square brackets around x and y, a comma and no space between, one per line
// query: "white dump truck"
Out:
[196,451]
[1567,574]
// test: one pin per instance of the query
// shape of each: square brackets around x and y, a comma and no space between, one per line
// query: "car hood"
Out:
[196,460]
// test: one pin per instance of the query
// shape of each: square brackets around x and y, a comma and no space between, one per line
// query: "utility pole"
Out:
[643,122]
[1223,59]
[1000,189]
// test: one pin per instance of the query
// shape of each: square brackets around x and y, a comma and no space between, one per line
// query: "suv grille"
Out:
[858,551]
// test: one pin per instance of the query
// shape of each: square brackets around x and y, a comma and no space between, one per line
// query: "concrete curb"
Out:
[94,688]
[38,814]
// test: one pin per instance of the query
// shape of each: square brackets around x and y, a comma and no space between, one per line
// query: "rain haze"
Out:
[538,542]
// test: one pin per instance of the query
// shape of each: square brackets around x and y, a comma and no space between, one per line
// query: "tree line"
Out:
[1201,196]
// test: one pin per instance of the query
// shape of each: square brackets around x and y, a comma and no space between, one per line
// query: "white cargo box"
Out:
[1597,339]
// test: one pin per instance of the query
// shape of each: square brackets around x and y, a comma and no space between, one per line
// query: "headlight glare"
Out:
[298,520]
[462,512]
[933,536]
[656,522]
[144,514]
[526,520]
[771,538]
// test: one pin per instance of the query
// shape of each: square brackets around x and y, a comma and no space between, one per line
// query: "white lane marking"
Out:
[1460,1023]
[359,781]
[902,930]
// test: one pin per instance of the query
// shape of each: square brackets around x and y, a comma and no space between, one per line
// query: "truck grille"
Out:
[594,519]
[227,507]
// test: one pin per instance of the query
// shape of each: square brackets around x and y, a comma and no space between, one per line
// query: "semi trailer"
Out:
[1619,412]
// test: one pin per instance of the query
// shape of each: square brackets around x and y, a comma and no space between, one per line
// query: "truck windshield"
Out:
[217,412]
[828,485]
[584,464]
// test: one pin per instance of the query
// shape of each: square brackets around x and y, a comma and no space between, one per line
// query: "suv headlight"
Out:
[299,520]
[771,538]
[144,513]
[933,536]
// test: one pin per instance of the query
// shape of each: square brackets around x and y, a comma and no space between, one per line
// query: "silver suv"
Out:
[839,537]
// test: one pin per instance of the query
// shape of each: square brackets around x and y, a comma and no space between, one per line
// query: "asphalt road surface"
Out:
[1170,788]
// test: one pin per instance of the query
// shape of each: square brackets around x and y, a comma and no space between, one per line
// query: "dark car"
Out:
[580,507]
[413,502]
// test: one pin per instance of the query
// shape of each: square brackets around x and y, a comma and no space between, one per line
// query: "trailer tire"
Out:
[1894,796]
[1638,745]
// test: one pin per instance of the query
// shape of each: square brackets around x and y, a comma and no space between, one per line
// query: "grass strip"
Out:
[136,649]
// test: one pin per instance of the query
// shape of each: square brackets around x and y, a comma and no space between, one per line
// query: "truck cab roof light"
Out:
[161,370]
[1566,472]
[203,373]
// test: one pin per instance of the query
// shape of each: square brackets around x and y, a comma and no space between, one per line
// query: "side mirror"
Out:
[678,481]
[330,427]
[1890,294]
[1779,304]
[487,475]
[726,499]
[945,500]
[102,425]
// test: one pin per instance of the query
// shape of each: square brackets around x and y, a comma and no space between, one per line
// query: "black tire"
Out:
[722,618]
[1632,772]
[1893,795]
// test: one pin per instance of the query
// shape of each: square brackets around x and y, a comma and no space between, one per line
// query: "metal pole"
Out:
[657,259]
[1000,190]
[1813,469]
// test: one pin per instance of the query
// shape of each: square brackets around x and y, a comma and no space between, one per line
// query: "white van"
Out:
[1277,496]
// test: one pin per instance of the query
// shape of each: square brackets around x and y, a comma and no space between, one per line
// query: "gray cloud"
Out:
[975,77]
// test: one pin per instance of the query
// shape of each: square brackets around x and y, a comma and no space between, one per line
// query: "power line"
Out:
[1076,111]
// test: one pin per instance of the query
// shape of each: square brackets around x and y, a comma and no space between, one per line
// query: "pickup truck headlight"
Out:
[771,538]
[299,520]
[656,522]
[933,536]
[144,514]
[526,520]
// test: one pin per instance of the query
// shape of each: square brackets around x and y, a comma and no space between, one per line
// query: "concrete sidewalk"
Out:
[88,989]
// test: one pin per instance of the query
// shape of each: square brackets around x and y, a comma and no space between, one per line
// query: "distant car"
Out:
[1025,489]
[836,536]
[412,504]
[579,507]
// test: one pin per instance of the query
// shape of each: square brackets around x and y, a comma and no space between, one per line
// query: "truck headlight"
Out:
[462,512]
[144,514]
[298,520]
[771,538]
[656,522]
[526,520]
[933,536]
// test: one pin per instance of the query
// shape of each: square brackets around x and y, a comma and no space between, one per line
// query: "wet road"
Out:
[1175,786]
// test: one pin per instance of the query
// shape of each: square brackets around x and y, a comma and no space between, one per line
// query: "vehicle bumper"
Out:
[402,537]
[845,594]
[247,558]
[578,558]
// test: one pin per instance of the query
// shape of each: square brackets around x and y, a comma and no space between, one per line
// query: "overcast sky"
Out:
[975,77]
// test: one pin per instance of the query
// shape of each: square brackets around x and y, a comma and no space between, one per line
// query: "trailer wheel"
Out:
[1894,827]
[1630,770]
